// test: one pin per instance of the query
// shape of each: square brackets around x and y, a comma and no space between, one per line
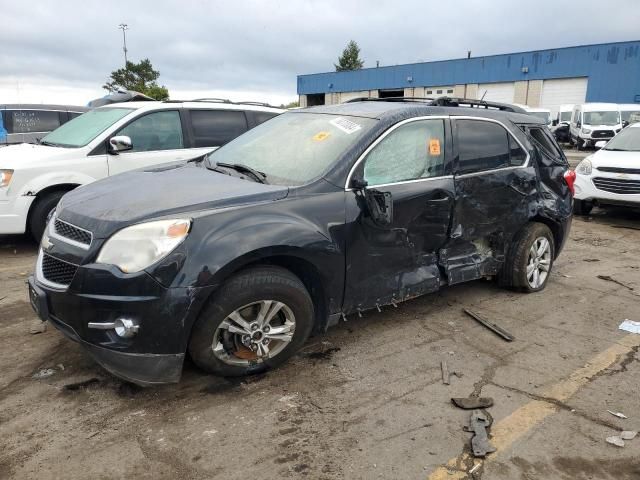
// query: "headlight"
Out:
[584,167]
[586,131]
[135,248]
[5,177]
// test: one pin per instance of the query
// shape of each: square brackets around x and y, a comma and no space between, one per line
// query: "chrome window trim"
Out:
[382,137]
[40,275]
[404,182]
[525,164]
[54,234]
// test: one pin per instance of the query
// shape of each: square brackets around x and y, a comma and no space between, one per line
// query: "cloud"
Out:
[66,50]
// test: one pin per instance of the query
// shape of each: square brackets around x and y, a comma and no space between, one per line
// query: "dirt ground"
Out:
[364,401]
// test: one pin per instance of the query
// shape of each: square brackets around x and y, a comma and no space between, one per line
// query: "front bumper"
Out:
[13,214]
[586,189]
[165,315]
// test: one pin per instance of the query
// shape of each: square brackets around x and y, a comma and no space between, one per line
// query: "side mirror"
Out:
[625,124]
[555,122]
[358,184]
[120,143]
[600,144]
[380,205]
[578,124]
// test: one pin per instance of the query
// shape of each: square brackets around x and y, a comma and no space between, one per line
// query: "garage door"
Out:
[496,92]
[560,91]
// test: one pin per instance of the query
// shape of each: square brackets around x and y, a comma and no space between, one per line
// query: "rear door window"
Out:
[214,128]
[33,121]
[482,146]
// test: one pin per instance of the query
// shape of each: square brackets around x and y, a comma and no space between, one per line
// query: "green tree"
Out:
[293,104]
[350,58]
[140,77]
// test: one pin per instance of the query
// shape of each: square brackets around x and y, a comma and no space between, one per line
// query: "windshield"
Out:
[628,140]
[626,115]
[81,130]
[294,148]
[545,116]
[565,116]
[601,118]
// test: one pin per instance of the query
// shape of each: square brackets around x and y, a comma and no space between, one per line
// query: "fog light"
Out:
[126,327]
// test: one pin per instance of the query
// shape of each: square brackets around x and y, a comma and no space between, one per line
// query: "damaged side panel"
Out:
[490,208]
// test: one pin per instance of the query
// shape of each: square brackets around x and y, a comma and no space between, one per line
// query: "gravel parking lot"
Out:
[366,400]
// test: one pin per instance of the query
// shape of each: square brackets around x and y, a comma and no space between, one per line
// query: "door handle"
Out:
[439,198]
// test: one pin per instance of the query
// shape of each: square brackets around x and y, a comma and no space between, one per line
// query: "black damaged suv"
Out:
[318,213]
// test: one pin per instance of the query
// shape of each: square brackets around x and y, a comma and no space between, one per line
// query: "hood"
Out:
[23,154]
[608,158]
[105,206]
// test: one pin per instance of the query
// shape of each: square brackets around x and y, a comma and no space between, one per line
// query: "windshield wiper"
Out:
[616,150]
[48,144]
[259,177]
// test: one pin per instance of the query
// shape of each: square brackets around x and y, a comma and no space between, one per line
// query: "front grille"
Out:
[602,134]
[71,232]
[617,185]
[633,171]
[57,271]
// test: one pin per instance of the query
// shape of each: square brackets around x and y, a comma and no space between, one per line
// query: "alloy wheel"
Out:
[254,333]
[539,262]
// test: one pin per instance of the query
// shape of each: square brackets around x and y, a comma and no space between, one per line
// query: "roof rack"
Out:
[456,102]
[391,99]
[446,102]
[222,100]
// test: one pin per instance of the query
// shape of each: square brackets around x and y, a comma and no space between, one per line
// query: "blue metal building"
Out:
[544,78]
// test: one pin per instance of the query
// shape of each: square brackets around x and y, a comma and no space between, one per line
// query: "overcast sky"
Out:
[64,51]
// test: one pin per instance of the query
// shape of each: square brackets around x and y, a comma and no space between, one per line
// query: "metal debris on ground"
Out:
[479,423]
[44,373]
[607,278]
[617,414]
[615,440]
[628,434]
[630,326]
[491,326]
[445,372]
[472,403]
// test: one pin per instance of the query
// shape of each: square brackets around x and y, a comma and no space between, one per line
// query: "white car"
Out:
[611,175]
[110,140]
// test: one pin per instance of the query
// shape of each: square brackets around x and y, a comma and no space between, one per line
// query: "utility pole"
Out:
[124,27]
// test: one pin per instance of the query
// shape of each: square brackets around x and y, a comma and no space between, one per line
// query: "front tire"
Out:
[582,207]
[256,321]
[41,212]
[530,259]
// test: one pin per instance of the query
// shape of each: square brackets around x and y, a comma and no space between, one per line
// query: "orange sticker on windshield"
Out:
[434,146]
[320,136]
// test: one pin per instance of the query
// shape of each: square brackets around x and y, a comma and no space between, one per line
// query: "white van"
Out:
[110,140]
[592,122]
[564,114]
[542,113]
[628,109]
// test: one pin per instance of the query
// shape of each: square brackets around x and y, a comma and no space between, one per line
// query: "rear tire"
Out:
[216,343]
[517,271]
[41,211]
[582,207]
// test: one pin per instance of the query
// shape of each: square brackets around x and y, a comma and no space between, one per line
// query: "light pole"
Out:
[124,27]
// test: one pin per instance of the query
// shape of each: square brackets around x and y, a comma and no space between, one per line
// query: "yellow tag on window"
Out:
[434,146]
[320,136]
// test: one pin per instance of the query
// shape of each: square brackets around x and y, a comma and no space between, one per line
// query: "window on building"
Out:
[155,131]
[214,128]
[450,90]
[482,146]
[412,151]
[439,92]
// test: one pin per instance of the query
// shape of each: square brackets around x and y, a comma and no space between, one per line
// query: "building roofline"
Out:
[472,58]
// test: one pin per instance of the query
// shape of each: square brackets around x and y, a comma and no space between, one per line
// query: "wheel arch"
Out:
[61,187]
[556,231]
